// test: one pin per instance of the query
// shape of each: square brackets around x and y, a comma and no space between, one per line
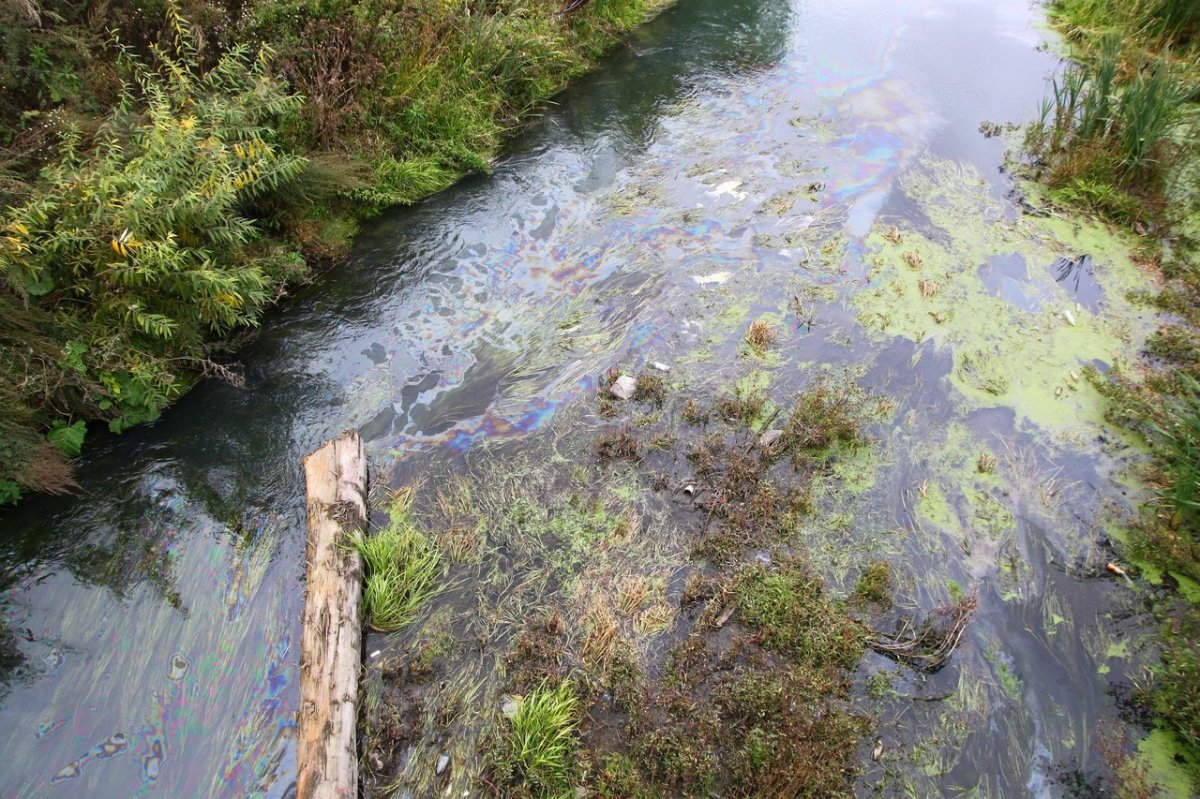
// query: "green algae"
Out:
[929,288]
[1165,761]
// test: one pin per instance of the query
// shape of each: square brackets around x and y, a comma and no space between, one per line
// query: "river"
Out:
[734,159]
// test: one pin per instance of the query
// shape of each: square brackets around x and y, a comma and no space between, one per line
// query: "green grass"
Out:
[1176,434]
[540,743]
[403,570]
[1109,130]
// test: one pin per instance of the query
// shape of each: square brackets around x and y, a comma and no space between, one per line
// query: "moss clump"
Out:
[615,444]
[693,413]
[760,716]
[826,413]
[793,616]
[1175,689]
[651,388]
[875,585]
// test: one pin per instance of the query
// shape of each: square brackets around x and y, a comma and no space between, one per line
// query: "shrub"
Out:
[141,245]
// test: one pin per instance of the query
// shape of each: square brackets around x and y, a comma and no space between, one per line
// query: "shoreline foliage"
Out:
[168,169]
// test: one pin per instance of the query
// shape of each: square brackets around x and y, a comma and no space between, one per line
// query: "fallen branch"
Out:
[929,646]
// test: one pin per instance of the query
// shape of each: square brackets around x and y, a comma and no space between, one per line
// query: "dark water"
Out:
[151,638]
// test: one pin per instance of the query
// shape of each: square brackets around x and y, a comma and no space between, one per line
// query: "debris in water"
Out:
[179,667]
[443,762]
[509,705]
[1115,569]
[877,752]
[717,278]
[768,439]
[728,187]
[659,366]
[893,235]
[930,645]
[1070,317]
[623,387]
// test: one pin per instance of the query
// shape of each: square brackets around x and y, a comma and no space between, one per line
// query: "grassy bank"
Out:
[168,169]
[1117,137]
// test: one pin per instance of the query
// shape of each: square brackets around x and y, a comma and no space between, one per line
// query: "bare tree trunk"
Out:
[331,641]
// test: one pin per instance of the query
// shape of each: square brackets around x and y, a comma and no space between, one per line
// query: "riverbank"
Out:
[168,183]
[1117,138]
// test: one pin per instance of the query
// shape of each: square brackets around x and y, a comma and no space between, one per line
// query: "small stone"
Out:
[768,439]
[659,366]
[442,764]
[623,388]
[509,706]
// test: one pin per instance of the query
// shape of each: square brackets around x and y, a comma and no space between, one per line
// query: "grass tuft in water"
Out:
[761,336]
[537,756]
[875,585]
[403,569]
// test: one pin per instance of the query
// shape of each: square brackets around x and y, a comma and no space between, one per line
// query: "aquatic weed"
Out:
[539,746]
[761,335]
[402,569]
[618,444]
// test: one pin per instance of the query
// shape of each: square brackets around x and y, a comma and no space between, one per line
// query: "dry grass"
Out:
[761,335]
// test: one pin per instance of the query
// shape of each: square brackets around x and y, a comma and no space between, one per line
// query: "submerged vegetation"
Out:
[663,632]
[166,176]
[1117,136]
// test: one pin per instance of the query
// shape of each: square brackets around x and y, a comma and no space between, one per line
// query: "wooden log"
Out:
[331,640]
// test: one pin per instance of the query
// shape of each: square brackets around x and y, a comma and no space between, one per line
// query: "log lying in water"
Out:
[331,641]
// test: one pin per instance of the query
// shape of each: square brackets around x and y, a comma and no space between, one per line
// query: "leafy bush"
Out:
[138,241]
[145,165]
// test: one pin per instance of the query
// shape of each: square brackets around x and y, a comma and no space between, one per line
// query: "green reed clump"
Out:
[1132,118]
[537,754]
[1170,22]
[1113,122]
[1175,433]
[403,569]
